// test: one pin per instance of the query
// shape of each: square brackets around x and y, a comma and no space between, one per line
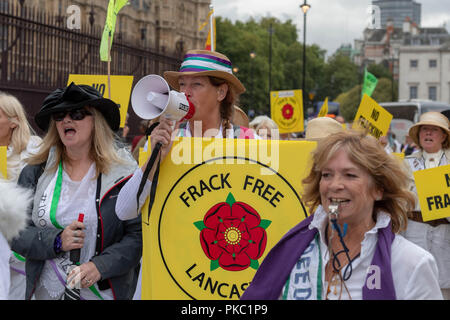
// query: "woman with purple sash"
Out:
[350,248]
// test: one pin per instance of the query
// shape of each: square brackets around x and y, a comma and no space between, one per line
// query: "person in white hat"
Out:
[432,135]
[322,127]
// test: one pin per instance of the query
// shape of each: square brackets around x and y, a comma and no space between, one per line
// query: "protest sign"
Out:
[286,109]
[220,206]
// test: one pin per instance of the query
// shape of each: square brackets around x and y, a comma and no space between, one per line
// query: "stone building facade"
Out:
[166,26]
[425,72]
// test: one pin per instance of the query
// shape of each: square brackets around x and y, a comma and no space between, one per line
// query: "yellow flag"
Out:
[324,110]
[204,24]
[110,26]
[3,167]
[208,39]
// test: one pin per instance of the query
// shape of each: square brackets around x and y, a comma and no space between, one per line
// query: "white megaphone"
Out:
[152,97]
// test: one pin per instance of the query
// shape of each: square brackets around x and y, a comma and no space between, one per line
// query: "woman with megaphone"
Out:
[211,90]
[207,81]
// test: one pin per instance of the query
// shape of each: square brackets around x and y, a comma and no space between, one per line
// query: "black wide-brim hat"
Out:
[74,97]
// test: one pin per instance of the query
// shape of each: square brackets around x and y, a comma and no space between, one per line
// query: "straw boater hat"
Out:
[240,117]
[205,63]
[431,118]
[322,127]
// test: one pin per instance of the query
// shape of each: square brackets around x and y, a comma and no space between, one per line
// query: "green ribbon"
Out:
[18,256]
[55,198]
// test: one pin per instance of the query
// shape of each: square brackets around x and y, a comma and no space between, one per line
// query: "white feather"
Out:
[14,204]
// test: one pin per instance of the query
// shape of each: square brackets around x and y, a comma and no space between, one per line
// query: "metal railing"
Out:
[39,52]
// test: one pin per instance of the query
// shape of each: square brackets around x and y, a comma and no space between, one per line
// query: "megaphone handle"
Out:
[150,164]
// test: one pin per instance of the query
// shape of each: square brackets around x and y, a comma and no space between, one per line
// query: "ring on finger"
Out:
[75,239]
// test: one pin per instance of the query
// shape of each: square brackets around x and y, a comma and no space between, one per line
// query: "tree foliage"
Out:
[338,78]
[349,101]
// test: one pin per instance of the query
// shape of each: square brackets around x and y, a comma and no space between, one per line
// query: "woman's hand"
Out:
[163,134]
[84,276]
[72,237]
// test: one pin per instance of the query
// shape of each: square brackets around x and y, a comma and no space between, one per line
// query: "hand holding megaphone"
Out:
[152,98]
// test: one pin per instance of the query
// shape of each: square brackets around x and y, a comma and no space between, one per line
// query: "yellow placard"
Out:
[372,116]
[3,166]
[399,155]
[286,109]
[120,92]
[433,190]
[220,206]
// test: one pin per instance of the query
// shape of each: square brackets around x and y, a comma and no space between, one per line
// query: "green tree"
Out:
[340,75]
[238,39]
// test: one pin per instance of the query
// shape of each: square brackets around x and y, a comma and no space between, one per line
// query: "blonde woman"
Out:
[350,247]
[16,135]
[264,126]
[79,169]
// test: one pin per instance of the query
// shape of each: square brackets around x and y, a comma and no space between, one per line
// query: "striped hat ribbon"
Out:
[204,62]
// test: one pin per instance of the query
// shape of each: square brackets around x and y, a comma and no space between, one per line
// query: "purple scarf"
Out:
[276,267]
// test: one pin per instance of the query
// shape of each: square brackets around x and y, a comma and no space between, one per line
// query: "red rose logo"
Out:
[287,111]
[233,236]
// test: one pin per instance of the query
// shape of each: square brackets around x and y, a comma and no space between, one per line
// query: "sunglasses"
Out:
[74,114]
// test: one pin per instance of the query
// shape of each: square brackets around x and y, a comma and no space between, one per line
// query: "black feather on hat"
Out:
[74,97]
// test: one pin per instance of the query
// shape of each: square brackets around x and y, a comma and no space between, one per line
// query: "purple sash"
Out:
[276,267]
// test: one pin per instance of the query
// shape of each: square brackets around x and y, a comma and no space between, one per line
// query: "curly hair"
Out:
[387,173]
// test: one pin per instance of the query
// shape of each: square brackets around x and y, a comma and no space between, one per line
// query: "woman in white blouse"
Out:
[432,135]
[16,135]
[349,248]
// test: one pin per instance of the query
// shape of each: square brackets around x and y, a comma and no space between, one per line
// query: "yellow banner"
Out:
[3,166]
[372,116]
[220,206]
[120,93]
[286,109]
[433,190]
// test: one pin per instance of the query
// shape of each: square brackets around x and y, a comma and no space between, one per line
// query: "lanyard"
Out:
[54,206]
[55,198]
[319,271]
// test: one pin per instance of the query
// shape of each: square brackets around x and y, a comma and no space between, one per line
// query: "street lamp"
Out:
[305,7]
[252,56]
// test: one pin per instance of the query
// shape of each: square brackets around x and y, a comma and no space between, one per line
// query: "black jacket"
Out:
[119,243]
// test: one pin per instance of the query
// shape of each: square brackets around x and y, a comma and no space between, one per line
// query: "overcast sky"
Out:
[330,23]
